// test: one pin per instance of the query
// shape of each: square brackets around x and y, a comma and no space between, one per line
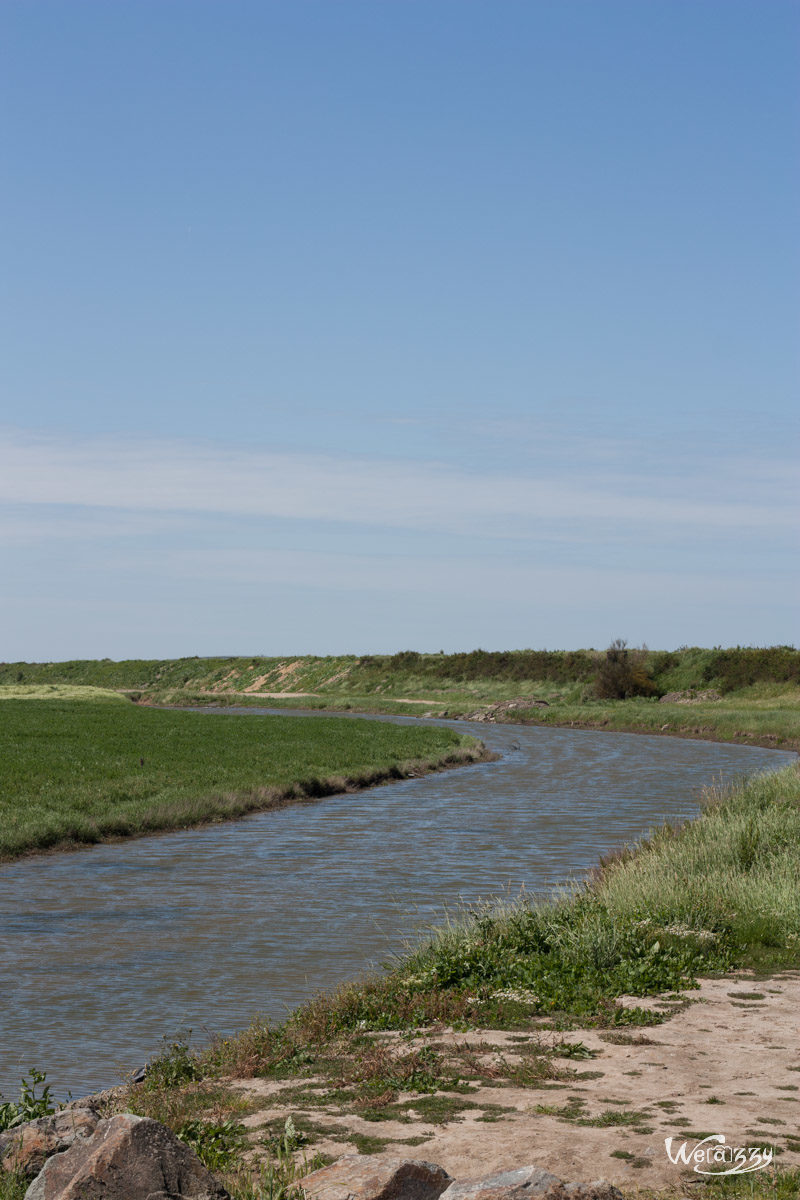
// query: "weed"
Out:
[617,1038]
[433,1110]
[29,1106]
[366,1143]
[280,1179]
[567,1112]
[176,1064]
[772,1185]
[764,1139]
[217,1144]
[13,1185]
[633,1160]
[573,1050]
[614,1117]
[287,1141]
[494,1112]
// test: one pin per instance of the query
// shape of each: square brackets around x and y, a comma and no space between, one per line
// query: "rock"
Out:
[26,1147]
[376,1177]
[505,708]
[529,1183]
[126,1158]
[691,696]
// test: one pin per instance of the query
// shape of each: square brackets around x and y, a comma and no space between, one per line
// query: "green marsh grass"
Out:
[75,772]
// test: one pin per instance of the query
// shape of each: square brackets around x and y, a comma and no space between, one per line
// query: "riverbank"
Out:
[747,695]
[535,1021]
[770,718]
[78,771]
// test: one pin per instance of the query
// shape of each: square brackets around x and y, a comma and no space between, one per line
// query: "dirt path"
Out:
[726,1062]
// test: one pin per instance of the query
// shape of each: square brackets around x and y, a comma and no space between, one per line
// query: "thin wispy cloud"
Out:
[155,475]
[478,577]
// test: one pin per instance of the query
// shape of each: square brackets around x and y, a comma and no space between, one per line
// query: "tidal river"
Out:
[107,950]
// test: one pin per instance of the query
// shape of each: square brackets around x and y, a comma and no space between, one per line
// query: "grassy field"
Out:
[718,893]
[77,771]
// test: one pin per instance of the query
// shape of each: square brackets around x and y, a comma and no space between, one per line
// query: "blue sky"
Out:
[358,326]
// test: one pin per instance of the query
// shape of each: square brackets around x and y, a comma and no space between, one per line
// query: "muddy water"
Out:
[106,950]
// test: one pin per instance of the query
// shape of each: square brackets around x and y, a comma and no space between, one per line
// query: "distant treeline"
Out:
[745,666]
[560,666]
[727,669]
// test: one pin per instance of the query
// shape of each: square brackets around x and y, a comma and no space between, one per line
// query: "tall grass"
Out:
[719,892]
[731,873]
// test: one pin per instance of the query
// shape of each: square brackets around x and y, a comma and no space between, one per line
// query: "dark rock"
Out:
[376,1177]
[126,1158]
[529,1183]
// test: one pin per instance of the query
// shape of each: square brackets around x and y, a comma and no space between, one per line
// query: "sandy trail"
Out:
[728,1063]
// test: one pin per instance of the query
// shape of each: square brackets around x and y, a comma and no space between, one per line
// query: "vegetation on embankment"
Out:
[758,716]
[60,691]
[490,674]
[744,694]
[717,893]
[79,771]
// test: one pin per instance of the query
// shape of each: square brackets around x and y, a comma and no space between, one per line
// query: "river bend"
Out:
[106,950]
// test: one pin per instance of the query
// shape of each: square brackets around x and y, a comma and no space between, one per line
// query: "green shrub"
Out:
[623,673]
[216,1144]
[175,1065]
[745,665]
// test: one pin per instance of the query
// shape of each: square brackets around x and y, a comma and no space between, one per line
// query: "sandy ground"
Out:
[728,1062]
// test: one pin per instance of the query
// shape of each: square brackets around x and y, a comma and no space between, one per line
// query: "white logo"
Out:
[713,1157]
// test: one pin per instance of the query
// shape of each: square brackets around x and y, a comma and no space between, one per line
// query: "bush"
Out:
[745,665]
[623,673]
